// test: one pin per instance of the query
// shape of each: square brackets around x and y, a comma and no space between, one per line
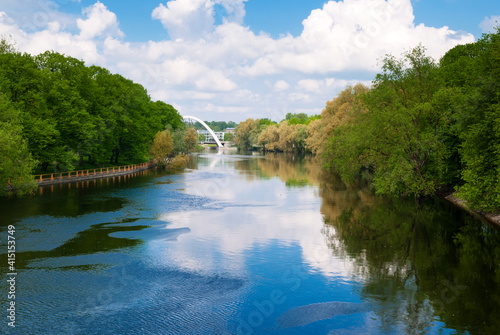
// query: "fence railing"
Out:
[91,172]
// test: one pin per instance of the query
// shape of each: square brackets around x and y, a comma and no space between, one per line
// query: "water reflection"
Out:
[422,265]
[413,256]
[250,245]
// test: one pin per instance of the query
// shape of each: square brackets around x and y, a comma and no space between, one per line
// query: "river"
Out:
[245,244]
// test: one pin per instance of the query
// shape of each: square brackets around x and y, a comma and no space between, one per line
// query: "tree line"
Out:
[57,112]
[422,127]
[216,125]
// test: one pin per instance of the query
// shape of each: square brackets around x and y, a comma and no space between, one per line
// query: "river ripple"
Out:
[247,245]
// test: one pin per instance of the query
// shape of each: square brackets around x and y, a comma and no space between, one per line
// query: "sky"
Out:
[229,60]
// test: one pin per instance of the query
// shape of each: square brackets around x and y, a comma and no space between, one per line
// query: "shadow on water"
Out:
[80,198]
[57,204]
[94,240]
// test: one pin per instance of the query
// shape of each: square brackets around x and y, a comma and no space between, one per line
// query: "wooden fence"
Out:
[91,172]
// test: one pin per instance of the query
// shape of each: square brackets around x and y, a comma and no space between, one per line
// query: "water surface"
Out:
[247,245]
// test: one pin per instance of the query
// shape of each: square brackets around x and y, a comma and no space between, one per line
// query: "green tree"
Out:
[228,137]
[66,82]
[178,136]
[299,118]
[480,126]
[167,115]
[16,163]
[396,137]
[69,111]
[6,46]
[23,82]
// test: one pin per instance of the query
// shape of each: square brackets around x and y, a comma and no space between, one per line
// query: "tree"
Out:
[191,138]
[162,147]
[66,85]
[16,163]
[246,134]
[287,136]
[167,115]
[68,111]
[6,46]
[269,138]
[396,136]
[336,112]
[299,118]
[480,124]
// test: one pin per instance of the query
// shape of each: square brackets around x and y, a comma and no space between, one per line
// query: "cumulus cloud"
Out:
[186,19]
[100,21]
[226,68]
[194,19]
[489,23]
[352,35]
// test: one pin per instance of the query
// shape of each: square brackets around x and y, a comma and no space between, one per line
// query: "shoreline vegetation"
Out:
[423,128]
[57,114]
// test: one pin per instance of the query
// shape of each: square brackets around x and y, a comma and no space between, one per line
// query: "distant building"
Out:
[209,137]
[230,130]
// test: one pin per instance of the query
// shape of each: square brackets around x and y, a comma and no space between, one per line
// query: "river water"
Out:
[246,245]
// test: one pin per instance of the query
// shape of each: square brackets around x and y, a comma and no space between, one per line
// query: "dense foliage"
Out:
[397,133]
[57,111]
[287,136]
[423,126]
[16,162]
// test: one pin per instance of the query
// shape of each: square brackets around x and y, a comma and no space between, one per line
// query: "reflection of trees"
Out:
[419,261]
[291,169]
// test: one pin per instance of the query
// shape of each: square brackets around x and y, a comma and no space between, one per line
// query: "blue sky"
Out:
[234,59]
[278,17]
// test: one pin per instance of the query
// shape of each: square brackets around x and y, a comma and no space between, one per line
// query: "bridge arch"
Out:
[219,144]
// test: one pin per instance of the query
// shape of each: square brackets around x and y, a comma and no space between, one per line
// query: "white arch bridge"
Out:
[219,144]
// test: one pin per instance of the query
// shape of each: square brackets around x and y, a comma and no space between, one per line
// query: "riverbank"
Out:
[493,218]
[103,173]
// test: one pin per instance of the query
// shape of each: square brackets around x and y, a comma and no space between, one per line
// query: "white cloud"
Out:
[353,34]
[489,23]
[215,81]
[194,19]
[281,85]
[226,68]
[310,85]
[186,19]
[100,21]
[235,10]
